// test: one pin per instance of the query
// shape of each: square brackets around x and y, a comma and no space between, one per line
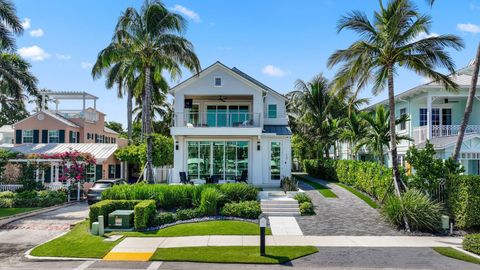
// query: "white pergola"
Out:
[39,176]
[57,96]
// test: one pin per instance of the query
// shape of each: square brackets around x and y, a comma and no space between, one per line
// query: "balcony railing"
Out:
[90,116]
[217,119]
[420,133]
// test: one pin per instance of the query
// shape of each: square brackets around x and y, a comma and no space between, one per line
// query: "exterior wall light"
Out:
[176,145]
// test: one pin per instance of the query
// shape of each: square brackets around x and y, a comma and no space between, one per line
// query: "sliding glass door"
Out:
[224,159]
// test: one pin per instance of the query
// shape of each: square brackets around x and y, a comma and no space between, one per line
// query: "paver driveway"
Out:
[345,215]
[21,235]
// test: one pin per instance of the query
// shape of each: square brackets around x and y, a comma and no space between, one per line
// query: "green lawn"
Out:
[359,194]
[5,212]
[220,227]
[324,190]
[455,254]
[77,243]
[235,254]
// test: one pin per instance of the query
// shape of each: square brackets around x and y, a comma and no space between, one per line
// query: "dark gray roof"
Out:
[444,142]
[277,129]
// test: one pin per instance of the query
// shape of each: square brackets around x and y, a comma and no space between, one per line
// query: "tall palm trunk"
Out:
[129,115]
[468,108]
[147,124]
[393,140]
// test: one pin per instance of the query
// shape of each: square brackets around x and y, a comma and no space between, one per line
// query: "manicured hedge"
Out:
[369,177]
[43,198]
[471,243]
[144,213]
[209,201]
[170,197]
[247,209]
[103,208]
[464,200]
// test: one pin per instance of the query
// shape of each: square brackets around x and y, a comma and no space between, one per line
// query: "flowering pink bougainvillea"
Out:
[74,164]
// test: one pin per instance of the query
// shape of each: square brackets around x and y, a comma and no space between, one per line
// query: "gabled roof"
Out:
[109,130]
[52,115]
[234,71]
[101,151]
[462,77]
[6,129]
[277,129]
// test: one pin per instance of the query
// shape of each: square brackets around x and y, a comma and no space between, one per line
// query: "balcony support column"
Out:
[429,117]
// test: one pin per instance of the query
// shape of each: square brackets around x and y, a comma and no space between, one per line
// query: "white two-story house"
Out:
[435,115]
[227,124]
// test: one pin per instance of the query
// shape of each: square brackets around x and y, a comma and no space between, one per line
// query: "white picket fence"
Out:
[48,186]
[8,187]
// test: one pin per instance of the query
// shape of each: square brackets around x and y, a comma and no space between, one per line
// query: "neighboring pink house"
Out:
[50,131]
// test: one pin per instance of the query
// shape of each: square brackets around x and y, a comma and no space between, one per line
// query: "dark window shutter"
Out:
[96,137]
[18,136]
[70,137]
[61,135]
[98,172]
[44,136]
[118,169]
[35,136]
[78,137]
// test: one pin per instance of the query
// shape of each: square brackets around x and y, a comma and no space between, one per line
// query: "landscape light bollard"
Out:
[263,224]
[101,224]
[78,191]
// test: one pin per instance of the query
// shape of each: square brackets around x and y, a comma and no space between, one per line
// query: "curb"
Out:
[467,252]
[6,220]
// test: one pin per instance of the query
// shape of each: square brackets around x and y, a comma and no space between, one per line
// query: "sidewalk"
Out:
[142,248]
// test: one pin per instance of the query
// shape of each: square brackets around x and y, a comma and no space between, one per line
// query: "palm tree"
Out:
[377,136]
[9,24]
[354,129]
[389,42]
[151,39]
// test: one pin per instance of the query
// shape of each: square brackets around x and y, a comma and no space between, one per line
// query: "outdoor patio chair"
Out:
[184,179]
[243,178]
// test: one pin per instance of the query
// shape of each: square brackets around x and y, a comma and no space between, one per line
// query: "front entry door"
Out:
[275,161]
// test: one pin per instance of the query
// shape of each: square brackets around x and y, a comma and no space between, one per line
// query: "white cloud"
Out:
[469,27]
[62,56]
[187,12]
[33,53]
[474,6]
[86,65]
[273,71]
[37,32]
[26,23]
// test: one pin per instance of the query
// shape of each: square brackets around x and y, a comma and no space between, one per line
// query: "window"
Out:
[272,110]
[275,161]
[218,81]
[53,136]
[403,125]
[423,116]
[111,171]
[27,136]
[74,137]
[90,173]
[446,116]
[435,116]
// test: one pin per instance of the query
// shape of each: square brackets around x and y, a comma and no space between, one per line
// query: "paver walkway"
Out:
[284,226]
[142,248]
[345,215]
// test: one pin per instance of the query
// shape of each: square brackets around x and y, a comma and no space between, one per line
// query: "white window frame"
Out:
[50,136]
[24,135]
[403,126]
[74,137]
[215,81]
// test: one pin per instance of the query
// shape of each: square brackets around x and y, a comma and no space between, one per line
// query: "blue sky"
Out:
[275,41]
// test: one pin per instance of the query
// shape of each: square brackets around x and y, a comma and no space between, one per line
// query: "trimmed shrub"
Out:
[49,198]
[289,184]
[324,169]
[464,200]
[422,213]
[26,199]
[164,218]
[247,209]
[209,201]
[471,243]
[185,214]
[306,208]
[7,195]
[238,192]
[144,213]
[302,197]
[6,203]
[103,208]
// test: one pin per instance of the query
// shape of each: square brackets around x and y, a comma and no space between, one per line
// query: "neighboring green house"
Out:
[436,115]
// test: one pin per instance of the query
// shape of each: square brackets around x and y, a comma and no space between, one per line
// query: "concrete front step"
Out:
[282,214]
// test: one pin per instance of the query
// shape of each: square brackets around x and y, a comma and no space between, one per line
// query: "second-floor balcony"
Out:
[217,120]
[420,134]
[88,115]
